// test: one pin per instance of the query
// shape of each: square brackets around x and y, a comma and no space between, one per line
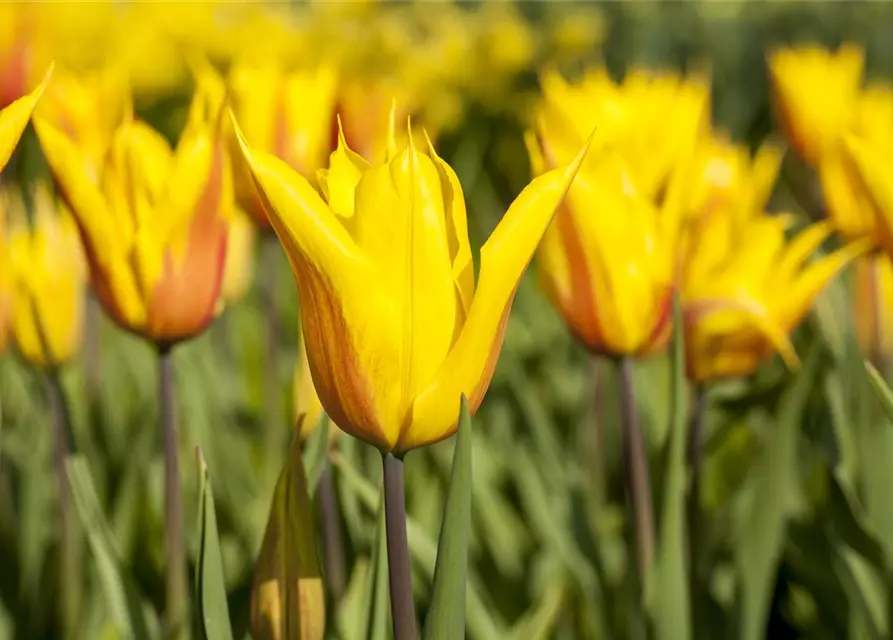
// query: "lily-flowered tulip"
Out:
[49,273]
[815,93]
[88,108]
[15,117]
[289,114]
[649,120]
[395,328]
[155,220]
[745,287]
[724,174]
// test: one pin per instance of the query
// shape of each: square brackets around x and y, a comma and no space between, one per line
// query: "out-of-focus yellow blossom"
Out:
[239,266]
[815,92]
[745,287]
[88,107]
[50,276]
[607,261]
[289,114]
[305,399]
[394,327]
[15,117]
[873,305]
[650,119]
[6,285]
[155,221]
[725,174]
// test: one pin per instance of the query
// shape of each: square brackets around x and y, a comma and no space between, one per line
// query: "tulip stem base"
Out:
[399,569]
[176,590]
[333,544]
[695,521]
[69,542]
[638,484]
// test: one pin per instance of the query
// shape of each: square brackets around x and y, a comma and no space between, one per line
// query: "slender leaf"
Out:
[210,586]
[761,530]
[287,595]
[446,617]
[668,591]
[884,395]
[121,598]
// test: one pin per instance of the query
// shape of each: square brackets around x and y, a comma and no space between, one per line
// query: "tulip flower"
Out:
[289,114]
[815,93]
[745,287]
[873,306]
[649,120]
[15,117]
[395,329]
[724,174]
[155,220]
[154,224]
[88,108]
[607,261]
[50,274]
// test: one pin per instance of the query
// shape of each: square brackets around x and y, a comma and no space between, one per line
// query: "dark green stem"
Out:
[636,467]
[176,589]
[69,552]
[399,569]
[333,543]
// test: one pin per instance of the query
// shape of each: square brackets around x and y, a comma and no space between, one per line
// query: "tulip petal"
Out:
[340,299]
[15,117]
[468,368]
[872,169]
[457,229]
[338,183]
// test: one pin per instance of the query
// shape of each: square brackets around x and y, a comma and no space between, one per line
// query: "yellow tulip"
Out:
[724,174]
[815,93]
[289,114]
[745,287]
[395,329]
[49,272]
[873,306]
[849,205]
[304,396]
[15,117]
[606,262]
[869,159]
[649,119]
[155,221]
[239,265]
[88,108]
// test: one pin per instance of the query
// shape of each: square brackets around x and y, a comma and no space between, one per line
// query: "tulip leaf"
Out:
[446,616]
[881,390]
[121,597]
[287,595]
[668,590]
[210,586]
[763,522]
[315,451]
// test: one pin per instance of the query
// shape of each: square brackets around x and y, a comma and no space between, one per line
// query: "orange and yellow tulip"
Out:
[155,220]
[815,93]
[742,298]
[49,273]
[873,305]
[289,114]
[395,328]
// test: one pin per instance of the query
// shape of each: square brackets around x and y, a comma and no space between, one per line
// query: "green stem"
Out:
[695,520]
[69,551]
[399,568]
[176,590]
[636,468]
